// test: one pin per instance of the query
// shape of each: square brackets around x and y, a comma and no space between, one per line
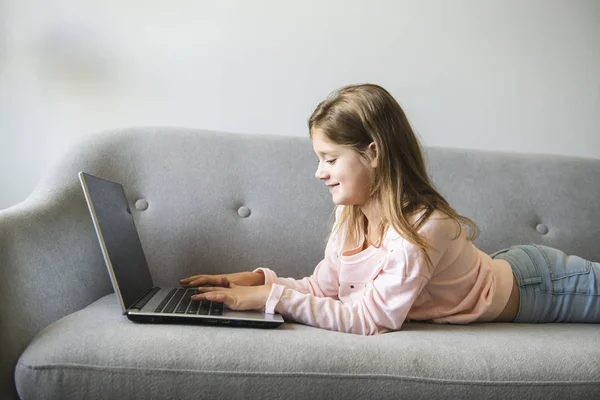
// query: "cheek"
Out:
[360,187]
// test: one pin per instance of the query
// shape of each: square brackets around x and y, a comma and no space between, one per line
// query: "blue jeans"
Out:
[553,286]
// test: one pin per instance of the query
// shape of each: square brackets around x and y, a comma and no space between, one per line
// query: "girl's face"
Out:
[343,171]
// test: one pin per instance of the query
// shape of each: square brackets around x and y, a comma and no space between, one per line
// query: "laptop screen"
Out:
[118,237]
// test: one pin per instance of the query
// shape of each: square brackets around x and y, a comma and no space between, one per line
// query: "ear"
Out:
[373,151]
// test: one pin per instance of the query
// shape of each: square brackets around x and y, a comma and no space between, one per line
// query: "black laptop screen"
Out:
[117,231]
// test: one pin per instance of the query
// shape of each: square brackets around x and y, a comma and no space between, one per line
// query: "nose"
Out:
[320,173]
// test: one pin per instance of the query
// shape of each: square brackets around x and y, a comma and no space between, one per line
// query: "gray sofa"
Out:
[63,336]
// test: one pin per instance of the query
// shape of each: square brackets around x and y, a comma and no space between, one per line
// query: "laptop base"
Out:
[153,319]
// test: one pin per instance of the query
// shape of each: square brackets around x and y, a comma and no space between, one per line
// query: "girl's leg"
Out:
[553,286]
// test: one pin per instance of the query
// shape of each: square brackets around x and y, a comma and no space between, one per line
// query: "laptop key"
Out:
[216,308]
[165,300]
[171,306]
[204,307]
[194,306]
[187,297]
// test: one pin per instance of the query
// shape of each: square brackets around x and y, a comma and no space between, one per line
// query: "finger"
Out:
[200,296]
[206,289]
[203,280]
[197,280]
[189,279]
[219,298]
[212,296]
[191,284]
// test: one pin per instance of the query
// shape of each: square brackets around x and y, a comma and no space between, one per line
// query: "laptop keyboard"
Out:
[179,301]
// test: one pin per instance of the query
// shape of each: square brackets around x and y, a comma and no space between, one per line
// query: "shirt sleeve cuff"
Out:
[274,296]
[270,276]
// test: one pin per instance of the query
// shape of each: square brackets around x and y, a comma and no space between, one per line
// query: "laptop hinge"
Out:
[144,298]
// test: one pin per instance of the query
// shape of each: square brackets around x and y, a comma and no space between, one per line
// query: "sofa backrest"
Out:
[224,202]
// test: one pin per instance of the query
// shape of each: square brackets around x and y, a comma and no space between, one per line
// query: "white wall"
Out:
[518,75]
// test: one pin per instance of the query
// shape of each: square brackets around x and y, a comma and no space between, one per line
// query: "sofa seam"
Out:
[341,376]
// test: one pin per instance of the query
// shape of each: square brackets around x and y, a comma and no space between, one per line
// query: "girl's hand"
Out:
[224,280]
[237,297]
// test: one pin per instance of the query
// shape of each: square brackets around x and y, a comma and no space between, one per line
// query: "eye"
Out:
[331,161]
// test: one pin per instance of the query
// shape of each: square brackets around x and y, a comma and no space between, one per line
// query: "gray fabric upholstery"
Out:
[195,182]
[94,349]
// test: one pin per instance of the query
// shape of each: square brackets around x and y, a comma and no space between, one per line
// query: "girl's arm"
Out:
[383,307]
[386,300]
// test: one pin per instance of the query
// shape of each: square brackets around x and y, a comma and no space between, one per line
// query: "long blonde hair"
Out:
[356,115]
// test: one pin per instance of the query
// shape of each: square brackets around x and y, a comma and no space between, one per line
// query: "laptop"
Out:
[140,299]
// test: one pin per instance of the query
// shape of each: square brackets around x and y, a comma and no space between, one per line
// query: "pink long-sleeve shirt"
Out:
[375,290]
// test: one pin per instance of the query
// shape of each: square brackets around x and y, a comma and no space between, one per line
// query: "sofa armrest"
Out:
[50,266]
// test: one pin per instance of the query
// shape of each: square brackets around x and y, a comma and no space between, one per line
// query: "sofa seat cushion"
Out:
[98,353]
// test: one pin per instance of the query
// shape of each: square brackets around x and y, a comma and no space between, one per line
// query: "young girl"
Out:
[398,251]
